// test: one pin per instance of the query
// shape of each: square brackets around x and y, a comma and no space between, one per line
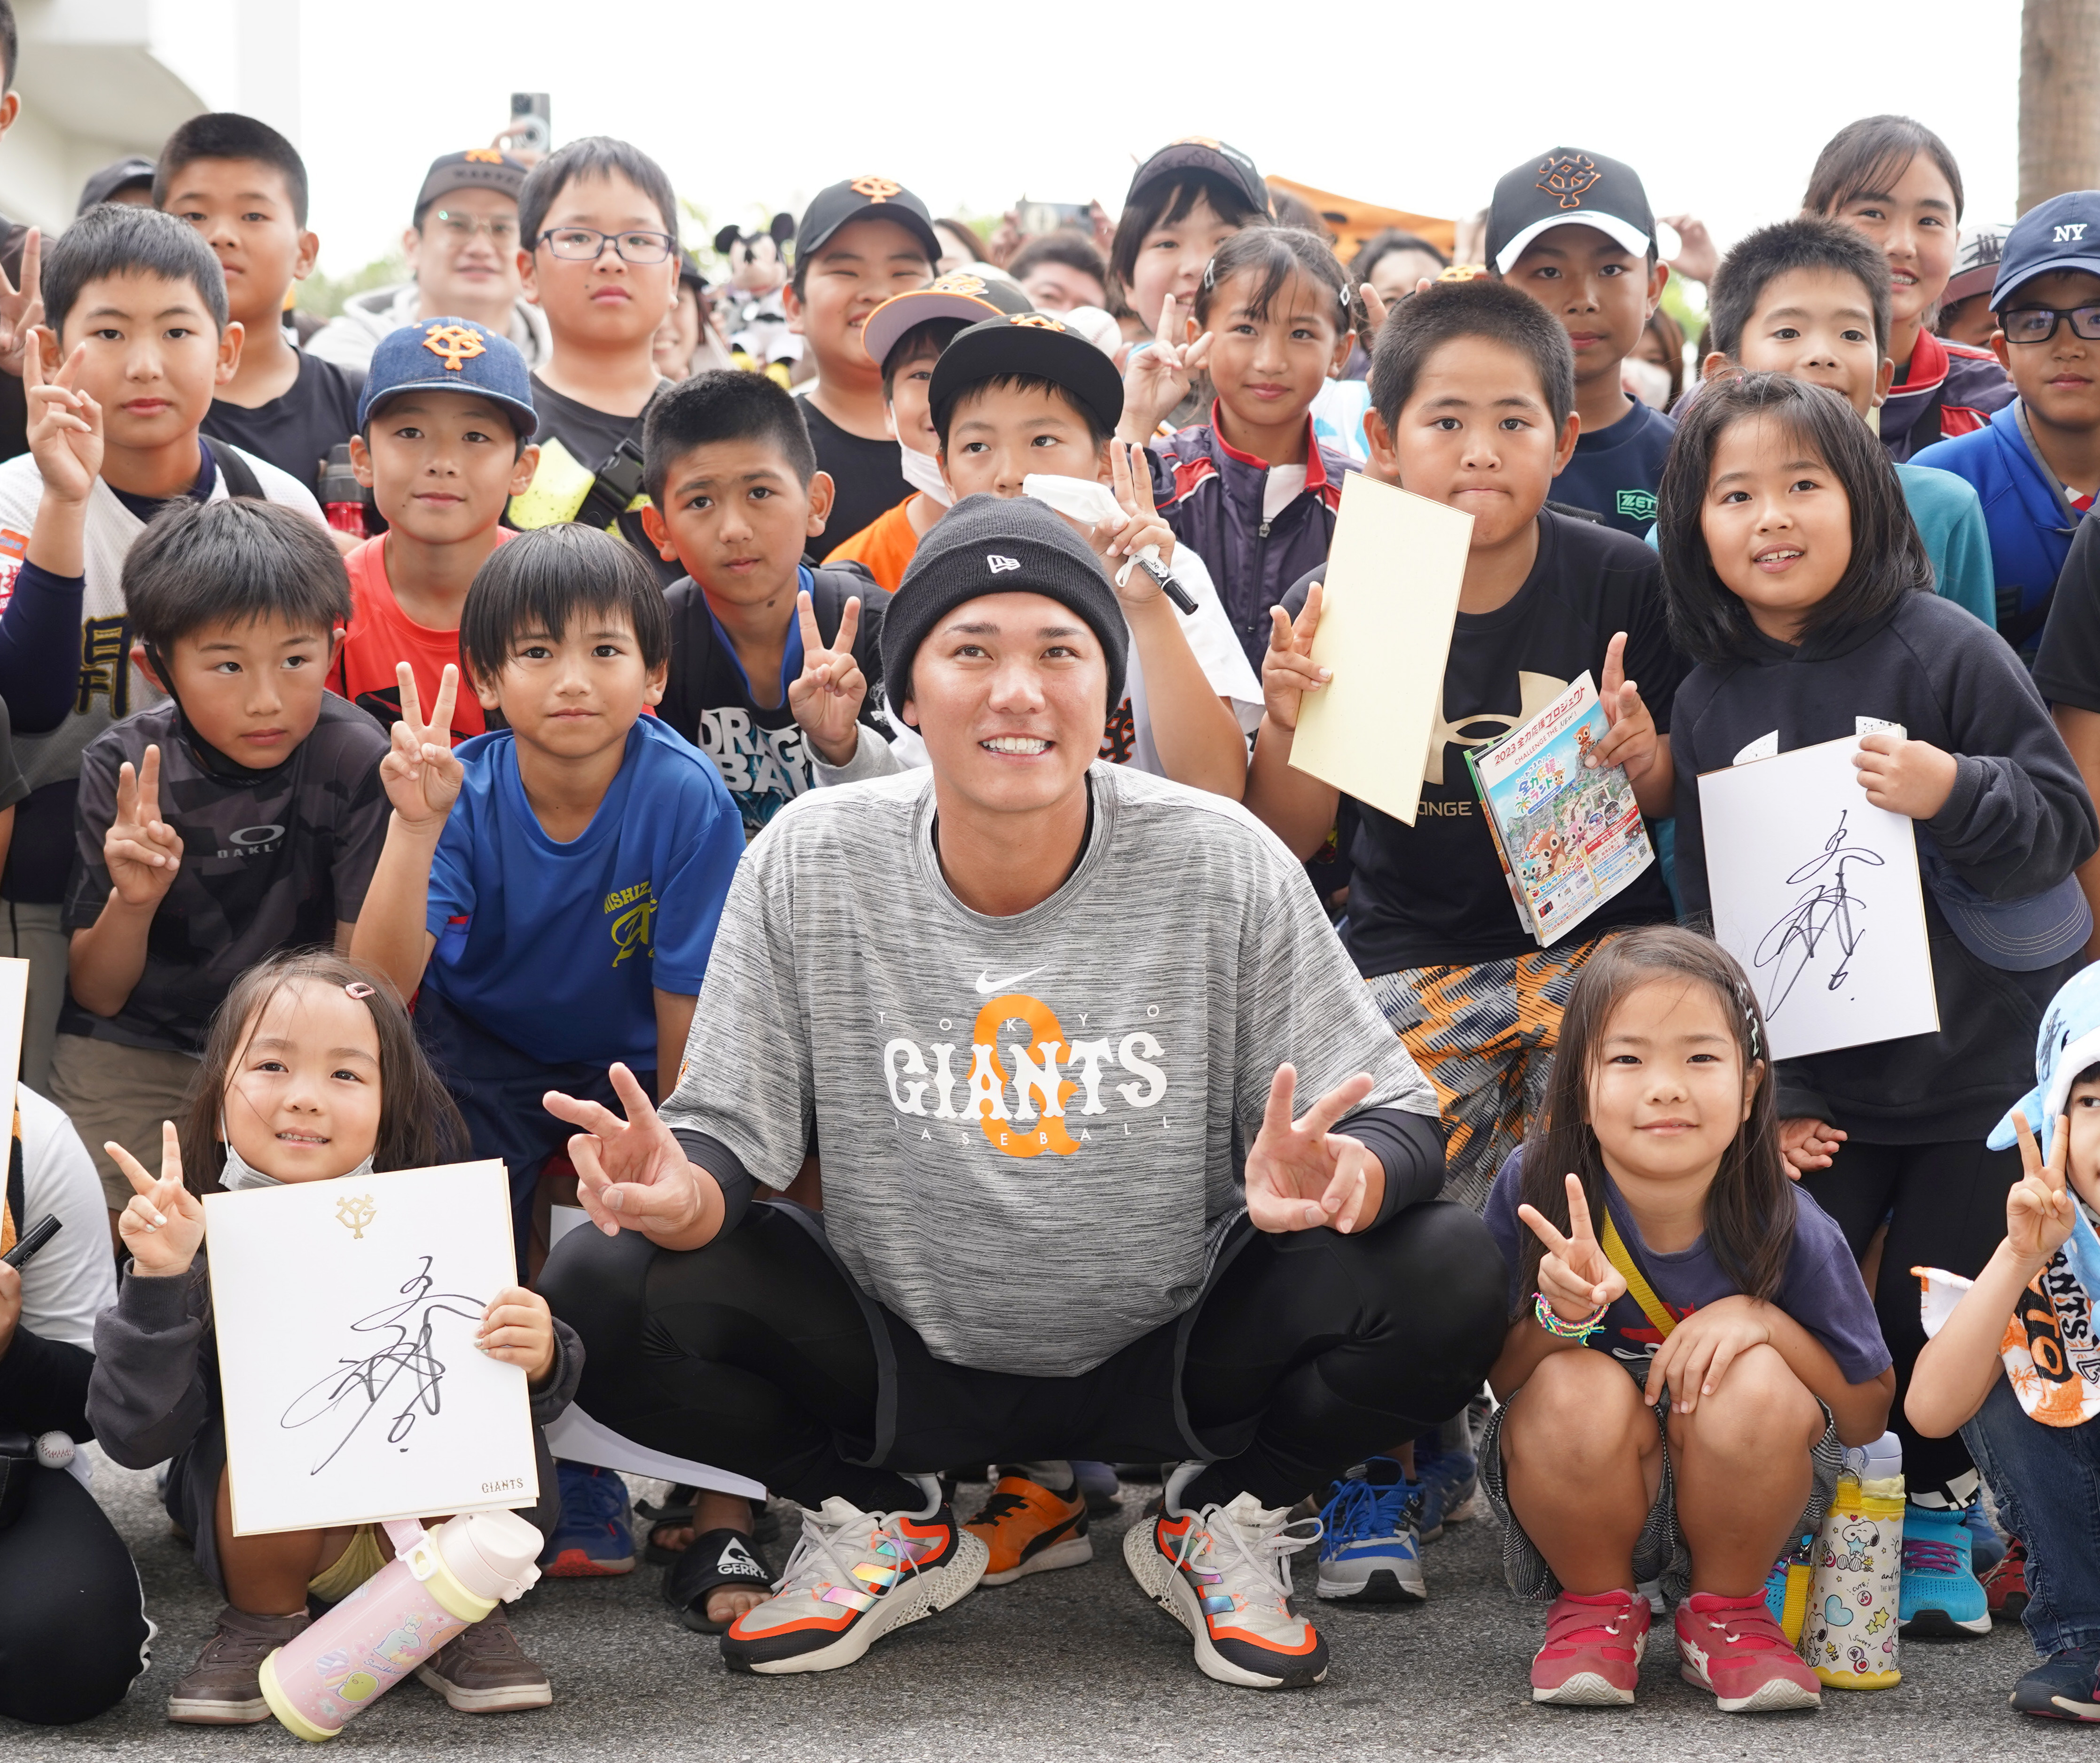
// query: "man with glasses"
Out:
[2036,465]
[462,252]
[597,253]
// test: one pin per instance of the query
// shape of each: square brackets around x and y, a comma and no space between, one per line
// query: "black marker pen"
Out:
[34,1238]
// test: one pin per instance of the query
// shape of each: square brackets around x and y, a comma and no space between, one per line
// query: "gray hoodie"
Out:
[348,340]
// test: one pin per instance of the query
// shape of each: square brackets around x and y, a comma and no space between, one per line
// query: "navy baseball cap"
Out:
[1201,155]
[478,168]
[451,355]
[2061,233]
[1566,187]
[2021,936]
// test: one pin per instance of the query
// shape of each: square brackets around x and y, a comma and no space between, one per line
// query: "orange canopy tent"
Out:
[1352,221]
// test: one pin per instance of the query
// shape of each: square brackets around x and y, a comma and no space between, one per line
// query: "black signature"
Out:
[1827,909]
[358,1386]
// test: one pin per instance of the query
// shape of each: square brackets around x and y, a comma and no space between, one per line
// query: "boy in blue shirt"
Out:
[2036,465]
[552,887]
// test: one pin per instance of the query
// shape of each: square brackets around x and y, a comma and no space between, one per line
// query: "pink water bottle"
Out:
[437,1582]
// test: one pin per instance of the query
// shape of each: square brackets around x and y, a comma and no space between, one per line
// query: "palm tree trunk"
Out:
[2059,97]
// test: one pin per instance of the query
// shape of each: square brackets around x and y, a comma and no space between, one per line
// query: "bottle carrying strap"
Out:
[1637,1286]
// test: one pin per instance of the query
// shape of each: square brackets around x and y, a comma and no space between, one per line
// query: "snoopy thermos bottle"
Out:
[437,1582]
[1851,1641]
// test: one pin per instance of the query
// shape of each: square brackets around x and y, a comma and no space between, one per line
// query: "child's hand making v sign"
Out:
[422,775]
[1139,524]
[1576,1277]
[1159,374]
[1632,740]
[65,437]
[826,698]
[145,854]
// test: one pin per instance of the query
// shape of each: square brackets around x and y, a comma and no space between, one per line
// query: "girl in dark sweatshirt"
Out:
[1798,582]
[312,1073]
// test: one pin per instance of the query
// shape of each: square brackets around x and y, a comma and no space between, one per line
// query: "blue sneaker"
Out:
[1450,1482]
[1368,1551]
[595,1537]
[2062,1686]
[1987,1548]
[1941,1596]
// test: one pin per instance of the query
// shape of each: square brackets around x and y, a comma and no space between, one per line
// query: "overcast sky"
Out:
[1721,108]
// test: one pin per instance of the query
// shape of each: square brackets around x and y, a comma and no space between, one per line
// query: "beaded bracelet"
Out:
[1556,1325]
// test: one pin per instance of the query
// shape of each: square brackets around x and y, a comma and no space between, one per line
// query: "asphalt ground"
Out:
[1074,1664]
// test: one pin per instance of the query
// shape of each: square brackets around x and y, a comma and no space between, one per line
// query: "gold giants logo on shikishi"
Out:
[353,1212]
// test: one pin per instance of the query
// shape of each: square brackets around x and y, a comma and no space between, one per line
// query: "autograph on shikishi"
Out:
[1829,910]
[403,1375]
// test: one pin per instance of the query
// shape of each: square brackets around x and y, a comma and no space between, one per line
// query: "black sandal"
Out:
[675,1513]
[716,1559]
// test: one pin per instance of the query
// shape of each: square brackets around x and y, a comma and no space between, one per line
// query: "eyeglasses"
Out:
[586,244]
[2037,325]
[461,227]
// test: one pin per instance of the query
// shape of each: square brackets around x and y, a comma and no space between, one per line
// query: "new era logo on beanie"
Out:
[987,545]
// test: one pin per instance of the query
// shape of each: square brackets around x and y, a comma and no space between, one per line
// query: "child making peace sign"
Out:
[1651,1221]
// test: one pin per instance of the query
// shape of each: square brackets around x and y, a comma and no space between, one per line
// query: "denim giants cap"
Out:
[2061,233]
[2021,936]
[448,355]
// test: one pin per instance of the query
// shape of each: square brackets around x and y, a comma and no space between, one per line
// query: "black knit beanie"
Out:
[987,545]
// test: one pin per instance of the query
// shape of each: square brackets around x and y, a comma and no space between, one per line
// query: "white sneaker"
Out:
[852,1578]
[1224,1574]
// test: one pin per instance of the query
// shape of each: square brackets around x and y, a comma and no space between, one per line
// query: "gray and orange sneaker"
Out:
[852,1578]
[1029,1529]
[1224,1573]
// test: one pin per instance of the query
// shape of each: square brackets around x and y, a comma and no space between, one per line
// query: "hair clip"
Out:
[1748,1000]
[359,990]
[1211,273]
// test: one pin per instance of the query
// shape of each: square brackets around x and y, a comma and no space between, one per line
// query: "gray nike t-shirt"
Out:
[1032,1127]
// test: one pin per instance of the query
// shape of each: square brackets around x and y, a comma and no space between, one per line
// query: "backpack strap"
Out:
[1637,1286]
[233,468]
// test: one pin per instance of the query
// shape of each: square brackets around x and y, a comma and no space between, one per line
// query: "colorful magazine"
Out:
[1569,838]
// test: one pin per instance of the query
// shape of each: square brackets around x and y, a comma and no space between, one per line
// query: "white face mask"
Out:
[239,1173]
[922,471]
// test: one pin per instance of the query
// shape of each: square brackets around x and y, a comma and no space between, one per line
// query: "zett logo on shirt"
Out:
[1037,1120]
[1637,504]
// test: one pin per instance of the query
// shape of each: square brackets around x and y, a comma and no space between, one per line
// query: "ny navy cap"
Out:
[2061,233]
[448,355]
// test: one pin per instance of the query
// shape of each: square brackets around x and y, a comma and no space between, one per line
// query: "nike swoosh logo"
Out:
[987,987]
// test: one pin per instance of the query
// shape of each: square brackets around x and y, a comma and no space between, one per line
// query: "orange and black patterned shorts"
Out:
[1485,1036]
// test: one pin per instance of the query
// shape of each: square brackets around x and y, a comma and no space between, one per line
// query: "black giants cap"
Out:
[1568,187]
[865,199]
[1034,344]
[478,168]
[1199,152]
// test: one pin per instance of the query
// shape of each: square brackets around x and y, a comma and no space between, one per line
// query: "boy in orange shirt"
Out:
[444,440]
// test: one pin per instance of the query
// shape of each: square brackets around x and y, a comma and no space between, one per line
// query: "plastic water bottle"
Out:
[1877,1461]
[437,1582]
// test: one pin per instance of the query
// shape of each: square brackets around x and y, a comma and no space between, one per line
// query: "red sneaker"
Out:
[2006,1586]
[1593,1650]
[1732,1647]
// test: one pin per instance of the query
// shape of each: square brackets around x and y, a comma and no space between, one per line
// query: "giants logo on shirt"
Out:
[1017,1047]
[636,909]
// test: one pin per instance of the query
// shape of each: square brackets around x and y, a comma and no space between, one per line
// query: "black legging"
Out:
[1313,1350]
[1948,1204]
[72,1625]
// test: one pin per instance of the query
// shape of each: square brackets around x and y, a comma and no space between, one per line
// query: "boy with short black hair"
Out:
[444,442]
[240,816]
[1573,231]
[906,334]
[1809,298]
[118,385]
[859,242]
[1013,397]
[598,237]
[243,185]
[2036,465]
[1546,597]
[735,495]
[553,886]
